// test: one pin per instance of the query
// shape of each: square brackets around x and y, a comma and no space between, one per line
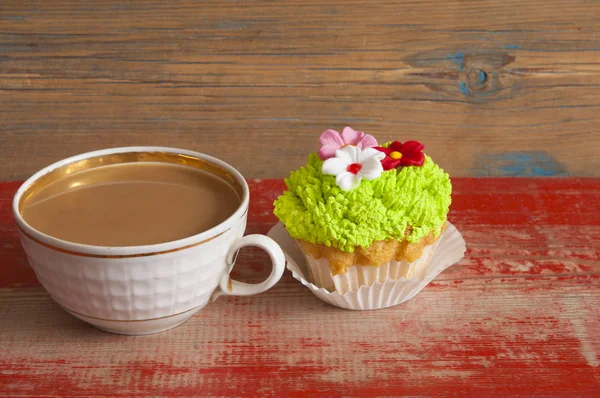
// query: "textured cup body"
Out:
[133,288]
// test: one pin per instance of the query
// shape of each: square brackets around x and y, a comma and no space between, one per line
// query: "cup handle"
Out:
[231,287]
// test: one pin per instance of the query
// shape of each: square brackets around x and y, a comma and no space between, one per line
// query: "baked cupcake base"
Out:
[319,272]
[334,270]
[446,251]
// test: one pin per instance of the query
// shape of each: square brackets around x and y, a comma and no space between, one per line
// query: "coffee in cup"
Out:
[131,204]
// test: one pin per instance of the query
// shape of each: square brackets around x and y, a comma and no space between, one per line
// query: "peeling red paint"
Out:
[517,316]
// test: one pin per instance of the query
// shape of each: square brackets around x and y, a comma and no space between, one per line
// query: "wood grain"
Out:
[490,87]
[518,316]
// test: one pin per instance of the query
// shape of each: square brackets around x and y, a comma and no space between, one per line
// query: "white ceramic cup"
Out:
[143,289]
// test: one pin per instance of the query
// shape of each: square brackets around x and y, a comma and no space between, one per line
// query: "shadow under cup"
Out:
[150,288]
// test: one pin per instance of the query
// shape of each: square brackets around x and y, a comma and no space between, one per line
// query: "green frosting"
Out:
[315,209]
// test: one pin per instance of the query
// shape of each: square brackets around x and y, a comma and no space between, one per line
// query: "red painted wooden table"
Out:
[519,315]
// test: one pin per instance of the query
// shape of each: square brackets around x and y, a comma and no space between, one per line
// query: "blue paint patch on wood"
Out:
[231,25]
[12,18]
[481,76]
[518,164]
[513,46]
[458,59]
[463,88]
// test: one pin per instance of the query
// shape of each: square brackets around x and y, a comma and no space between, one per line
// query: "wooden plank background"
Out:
[491,87]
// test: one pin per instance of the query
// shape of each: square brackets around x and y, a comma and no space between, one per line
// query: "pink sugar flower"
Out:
[331,141]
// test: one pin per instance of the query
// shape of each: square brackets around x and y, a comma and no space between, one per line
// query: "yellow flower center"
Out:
[395,155]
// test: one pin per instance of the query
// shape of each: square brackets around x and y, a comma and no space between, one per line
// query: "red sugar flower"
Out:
[397,154]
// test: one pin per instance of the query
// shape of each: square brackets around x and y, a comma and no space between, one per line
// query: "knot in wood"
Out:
[476,79]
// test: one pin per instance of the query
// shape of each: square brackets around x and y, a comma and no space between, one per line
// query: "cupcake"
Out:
[364,213]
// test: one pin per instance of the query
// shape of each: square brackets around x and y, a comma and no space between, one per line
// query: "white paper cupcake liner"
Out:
[385,291]
[319,272]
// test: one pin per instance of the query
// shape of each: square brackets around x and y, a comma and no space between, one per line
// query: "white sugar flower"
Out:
[351,164]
